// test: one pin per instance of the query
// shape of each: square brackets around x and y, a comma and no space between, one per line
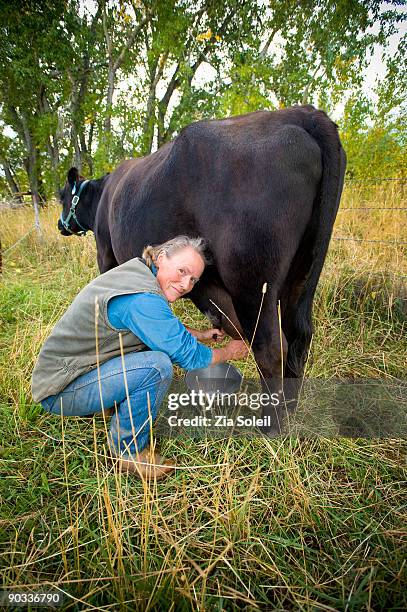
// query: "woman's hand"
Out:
[207,335]
[235,349]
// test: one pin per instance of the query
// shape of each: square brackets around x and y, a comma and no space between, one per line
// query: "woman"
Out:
[116,344]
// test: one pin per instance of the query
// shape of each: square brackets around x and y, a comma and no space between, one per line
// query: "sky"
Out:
[377,67]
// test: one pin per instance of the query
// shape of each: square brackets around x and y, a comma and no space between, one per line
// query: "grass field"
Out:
[253,524]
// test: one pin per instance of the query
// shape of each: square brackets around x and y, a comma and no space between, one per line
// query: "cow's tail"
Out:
[314,246]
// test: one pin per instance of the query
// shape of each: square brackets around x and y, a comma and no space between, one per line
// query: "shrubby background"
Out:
[92,82]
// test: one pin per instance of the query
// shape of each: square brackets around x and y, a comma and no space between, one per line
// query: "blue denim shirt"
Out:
[151,319]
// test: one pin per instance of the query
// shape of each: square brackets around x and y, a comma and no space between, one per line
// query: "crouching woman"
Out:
[115,346]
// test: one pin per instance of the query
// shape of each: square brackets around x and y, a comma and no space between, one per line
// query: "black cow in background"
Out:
[262,188]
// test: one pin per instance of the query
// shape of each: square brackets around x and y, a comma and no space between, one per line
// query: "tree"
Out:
[30,94]
[316,49]
[7,157]
[90,84]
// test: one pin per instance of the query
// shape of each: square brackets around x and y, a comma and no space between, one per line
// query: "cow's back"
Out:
[246,175]
[218,176]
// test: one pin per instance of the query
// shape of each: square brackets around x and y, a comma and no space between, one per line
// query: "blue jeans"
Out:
[148,376]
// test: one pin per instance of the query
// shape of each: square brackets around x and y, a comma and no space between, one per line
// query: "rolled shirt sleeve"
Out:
[151,319]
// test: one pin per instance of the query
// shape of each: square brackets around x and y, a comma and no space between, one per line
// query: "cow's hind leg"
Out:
[269,347]
[298,329]
[296,306]
[258,314]
[297,299]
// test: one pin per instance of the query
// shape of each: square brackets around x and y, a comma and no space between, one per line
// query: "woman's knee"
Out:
[163,364]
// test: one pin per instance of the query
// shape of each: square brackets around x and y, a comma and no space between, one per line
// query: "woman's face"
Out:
[177,274]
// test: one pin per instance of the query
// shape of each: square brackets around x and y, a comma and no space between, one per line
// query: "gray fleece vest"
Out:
[70,350]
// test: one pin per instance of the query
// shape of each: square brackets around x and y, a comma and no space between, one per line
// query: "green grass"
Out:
[285,524]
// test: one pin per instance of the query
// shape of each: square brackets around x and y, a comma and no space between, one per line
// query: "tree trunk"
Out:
[53,153]
[42,194]
[109,99]
[12,185]
[115,64]
[52,139]
[75,104]
[32,170]
[31,162]
[86,156]
[156,72]
[77,150]
[89,147]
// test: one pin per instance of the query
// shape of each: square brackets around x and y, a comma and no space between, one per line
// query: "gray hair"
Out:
[174,245]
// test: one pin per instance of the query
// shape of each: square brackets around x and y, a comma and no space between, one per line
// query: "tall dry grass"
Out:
[254,524]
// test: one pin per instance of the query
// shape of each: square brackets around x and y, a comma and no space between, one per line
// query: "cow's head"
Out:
[74,216]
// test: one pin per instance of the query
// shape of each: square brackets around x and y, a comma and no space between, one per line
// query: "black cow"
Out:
[263,188]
